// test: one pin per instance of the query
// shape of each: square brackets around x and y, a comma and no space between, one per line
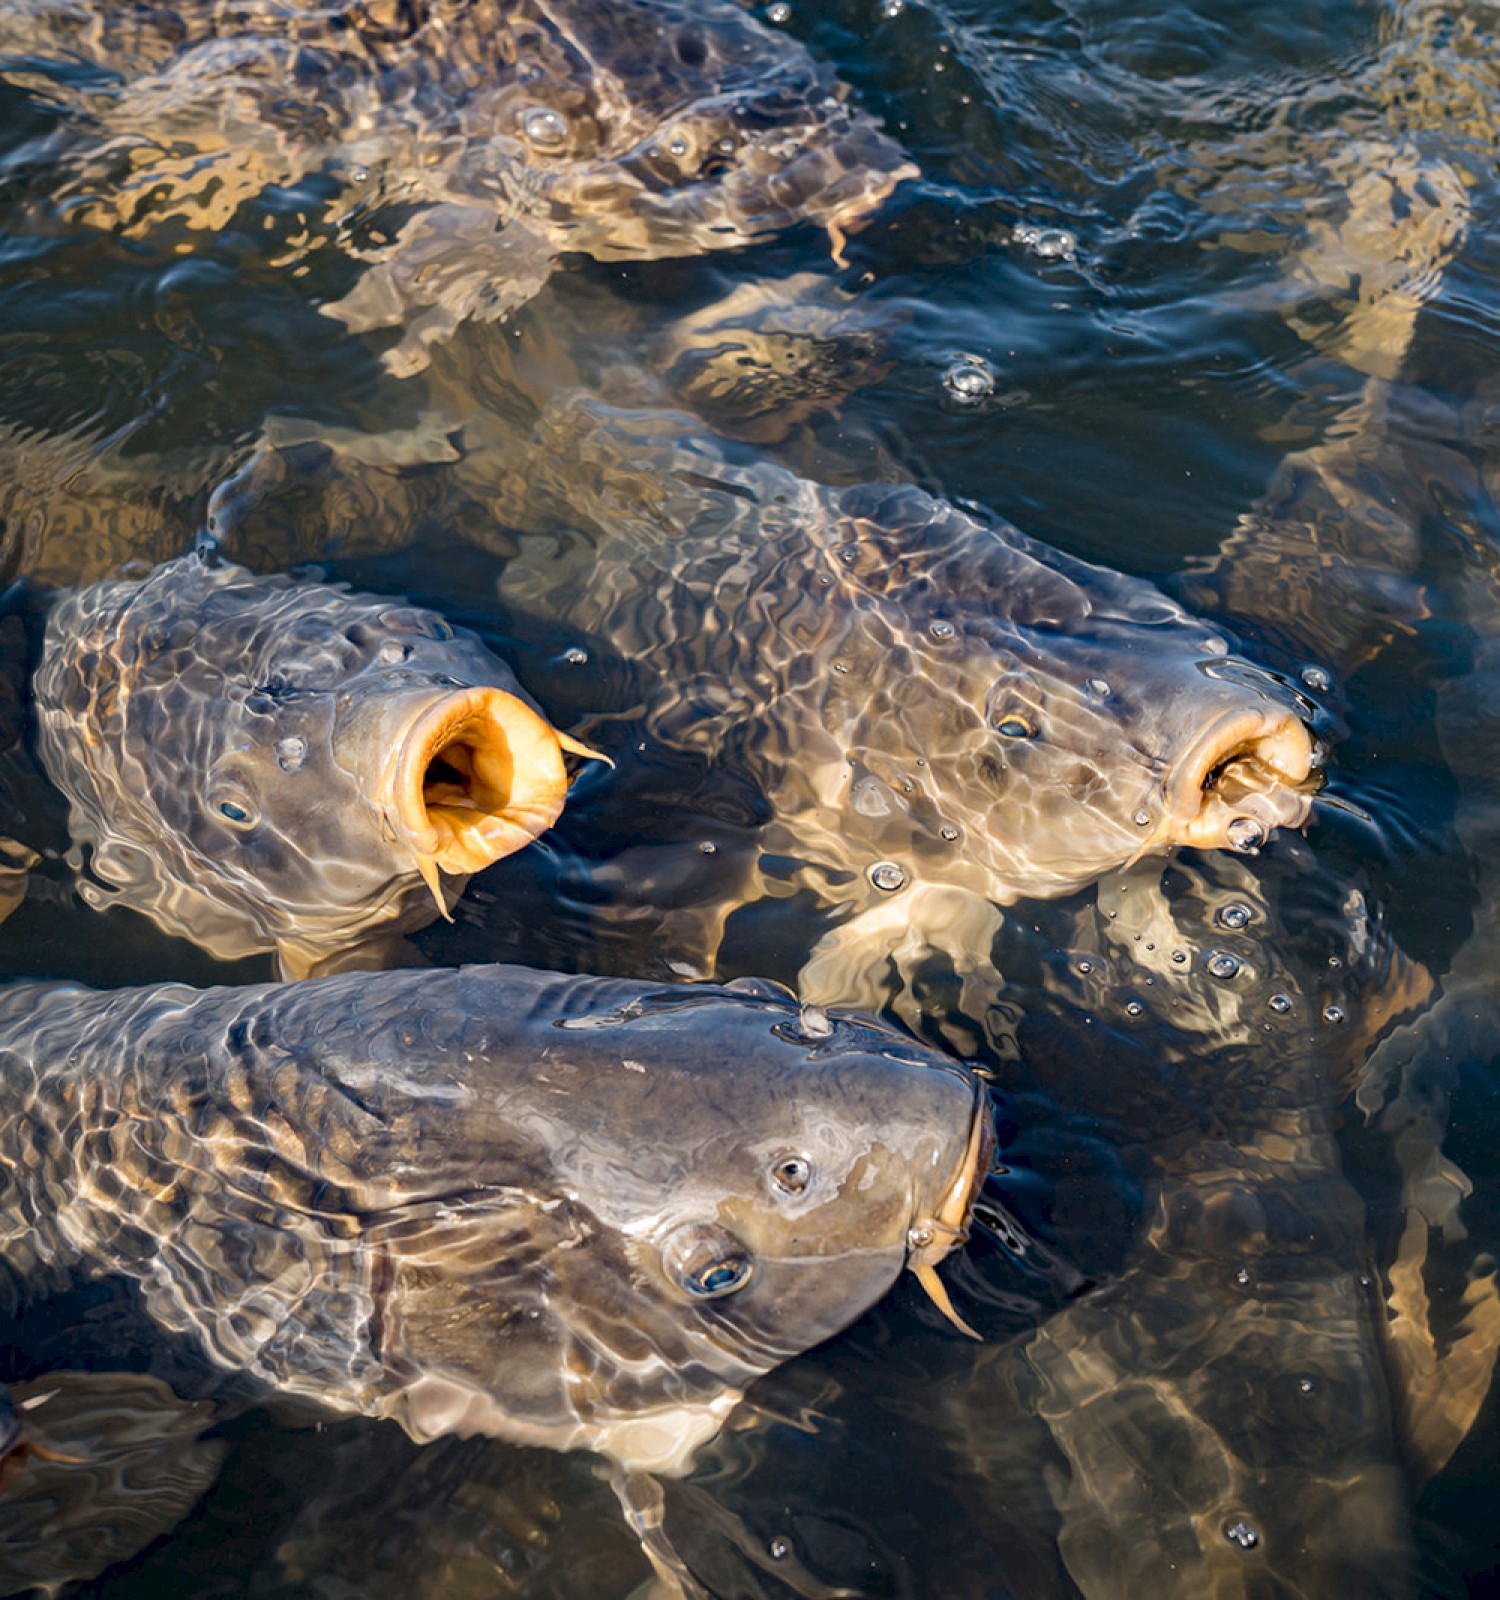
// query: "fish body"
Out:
[112,1460]
[509,131]
[565,1211]
[260,764]
[937,707]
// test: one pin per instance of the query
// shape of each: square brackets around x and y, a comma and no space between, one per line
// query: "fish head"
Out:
[667,129]
[721,1183]
[294,766]
[1080,719]
[1128,740]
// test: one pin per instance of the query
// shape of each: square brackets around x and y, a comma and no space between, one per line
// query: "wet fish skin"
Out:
[624,129]
[479,1199]
[112,1460]
[920,691]
[260,764]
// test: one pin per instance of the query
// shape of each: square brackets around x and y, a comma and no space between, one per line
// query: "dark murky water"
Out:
[1154,249]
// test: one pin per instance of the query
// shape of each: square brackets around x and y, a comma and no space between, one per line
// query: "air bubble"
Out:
[1334,1013]
[1051,244]
[780,13]
[970,379]
[949,832]
[1305,1385]
[1242,1277]
[391,652]
[779,1548]
[545,127]
[942,630]
[575,656]
[841,666]
[1280,1004]
[1133,1008]
[1100,686]
[891,9]
[1222,965]
[887,875]
[1246,834]
[814,1023]
[708,847]
[1316,678]
[1142,818]
[1085,967]
[1179,957]
[677,147]
[1242,1534]
[1215,646]
[291,753]
[1234,915]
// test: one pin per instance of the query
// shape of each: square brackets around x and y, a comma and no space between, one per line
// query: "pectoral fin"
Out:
[448,264]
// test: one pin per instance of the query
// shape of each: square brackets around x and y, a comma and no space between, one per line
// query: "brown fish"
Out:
[260,764]
[113,1460]
[517,129]
[945,715]
[565,1211]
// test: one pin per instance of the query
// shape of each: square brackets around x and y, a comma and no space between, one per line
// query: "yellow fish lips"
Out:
[1248,773]
[931,1238]
[478,774]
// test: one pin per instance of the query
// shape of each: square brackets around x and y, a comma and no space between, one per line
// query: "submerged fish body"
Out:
[260,764]
[565,1211]
[519,129]
[112,1460]
[936,705]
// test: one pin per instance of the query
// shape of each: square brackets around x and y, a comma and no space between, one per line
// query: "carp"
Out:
[565,1211]
[260,764]
[487,136]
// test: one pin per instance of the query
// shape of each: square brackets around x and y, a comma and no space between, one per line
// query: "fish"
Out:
[1222,1412]
[470,142]
[112,1461]
[564,1211]
[944,715]
[265,765]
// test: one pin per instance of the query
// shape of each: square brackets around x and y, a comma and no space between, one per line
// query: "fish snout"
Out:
[946,1225]
[1247,773]
[477,774]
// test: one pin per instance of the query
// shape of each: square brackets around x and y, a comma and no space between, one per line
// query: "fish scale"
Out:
[483,1242]
[680,128]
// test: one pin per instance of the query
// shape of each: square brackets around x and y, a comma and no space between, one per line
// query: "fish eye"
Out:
[706,1261]
[230,803]
[792,1174]
[1014,726]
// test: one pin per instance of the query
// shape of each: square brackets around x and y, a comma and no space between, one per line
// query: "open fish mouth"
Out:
[478,775]
[931,1238]
[1246,775]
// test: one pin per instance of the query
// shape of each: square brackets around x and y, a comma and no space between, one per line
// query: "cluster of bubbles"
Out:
[1050,244]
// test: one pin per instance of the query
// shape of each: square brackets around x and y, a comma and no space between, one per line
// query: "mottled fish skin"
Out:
[1221,1417]
[520,128]
[115,1460]
[941,710]
[566,1211]
[260,764]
